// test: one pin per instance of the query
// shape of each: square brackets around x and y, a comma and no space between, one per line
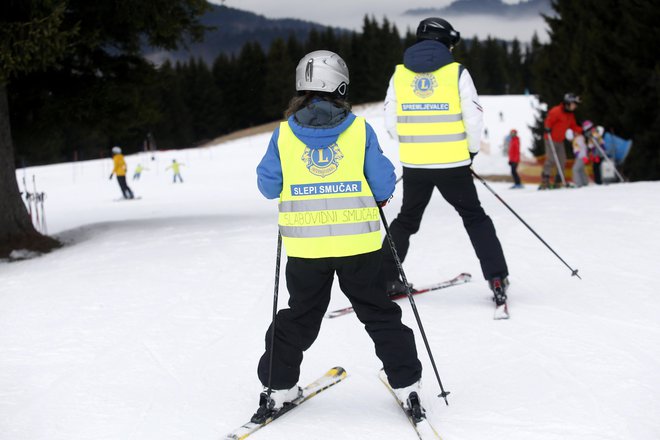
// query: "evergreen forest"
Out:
[603,50]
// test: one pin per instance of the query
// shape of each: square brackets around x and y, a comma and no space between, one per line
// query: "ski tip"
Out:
[337,371]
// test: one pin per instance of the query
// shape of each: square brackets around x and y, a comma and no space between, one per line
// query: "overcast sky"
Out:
[350,13]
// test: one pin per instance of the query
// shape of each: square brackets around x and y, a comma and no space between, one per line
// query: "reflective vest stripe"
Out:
[329,230]
[433,138]
[460,163]
[326,204]
[428,119]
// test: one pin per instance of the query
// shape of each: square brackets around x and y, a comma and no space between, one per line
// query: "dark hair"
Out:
[303,99]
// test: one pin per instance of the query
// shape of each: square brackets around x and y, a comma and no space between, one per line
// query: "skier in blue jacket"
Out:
[327,169]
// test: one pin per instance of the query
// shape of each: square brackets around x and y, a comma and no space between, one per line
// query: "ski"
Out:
[501,312]
[460,279]
[423,428]
[332,377]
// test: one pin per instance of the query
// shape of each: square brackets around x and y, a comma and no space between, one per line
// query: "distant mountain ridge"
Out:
[234,28]
[523,9]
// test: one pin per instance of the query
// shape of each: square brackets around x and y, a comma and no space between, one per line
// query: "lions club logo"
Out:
[423,85]
[322,161]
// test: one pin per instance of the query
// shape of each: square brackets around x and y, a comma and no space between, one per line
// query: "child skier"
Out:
[581,160]
[138,171]
[325,164]
[594,140]
[176,170]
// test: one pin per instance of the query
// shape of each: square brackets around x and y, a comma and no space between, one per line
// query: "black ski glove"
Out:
[382,203]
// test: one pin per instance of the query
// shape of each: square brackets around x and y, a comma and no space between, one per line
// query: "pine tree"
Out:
[172,103]
[280,86]
[90,40]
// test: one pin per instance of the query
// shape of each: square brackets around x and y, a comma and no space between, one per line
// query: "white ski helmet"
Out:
[322,71]
[116,150]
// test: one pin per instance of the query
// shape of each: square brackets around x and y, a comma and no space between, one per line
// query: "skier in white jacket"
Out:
[433,109]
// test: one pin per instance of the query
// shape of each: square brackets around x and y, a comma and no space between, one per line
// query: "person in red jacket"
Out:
[514,158]
[559,119]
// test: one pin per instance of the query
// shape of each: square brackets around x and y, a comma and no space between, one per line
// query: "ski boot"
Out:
[269,406]
[412,405]
[499,287]
[396,288]
[545,182]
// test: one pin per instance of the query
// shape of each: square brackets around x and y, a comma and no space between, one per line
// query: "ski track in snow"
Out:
[149,323]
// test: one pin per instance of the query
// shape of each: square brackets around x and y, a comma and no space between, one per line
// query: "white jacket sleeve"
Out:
[473,115]
[390,110]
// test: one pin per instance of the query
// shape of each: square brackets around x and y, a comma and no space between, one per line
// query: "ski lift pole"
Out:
[574,272]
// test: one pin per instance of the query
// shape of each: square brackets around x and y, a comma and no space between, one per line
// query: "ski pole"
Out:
[36,206]
[275,295]
[397,260]
[560,169]
[28,198]
[574,272]
[42,197]
[606,157]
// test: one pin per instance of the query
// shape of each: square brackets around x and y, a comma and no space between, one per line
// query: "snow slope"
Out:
[149,324]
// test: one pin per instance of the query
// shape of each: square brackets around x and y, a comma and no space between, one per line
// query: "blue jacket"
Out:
[318,126]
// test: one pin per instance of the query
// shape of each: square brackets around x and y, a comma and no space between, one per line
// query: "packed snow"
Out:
[149,323]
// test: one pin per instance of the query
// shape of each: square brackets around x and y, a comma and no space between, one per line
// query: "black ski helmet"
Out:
[438,29]
[570,98]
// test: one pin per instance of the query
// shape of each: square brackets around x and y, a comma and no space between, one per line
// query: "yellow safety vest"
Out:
[326,206]
[429,118]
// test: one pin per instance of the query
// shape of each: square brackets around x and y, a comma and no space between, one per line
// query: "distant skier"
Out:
[581,160]
[342,173]
[176,170]
[514,158]
[594,139]
[138,171]
[559,119]
[119,170]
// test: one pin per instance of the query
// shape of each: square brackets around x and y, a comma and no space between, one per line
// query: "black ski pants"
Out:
[514,173]
[457,188]
[309,282]
[125,190]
